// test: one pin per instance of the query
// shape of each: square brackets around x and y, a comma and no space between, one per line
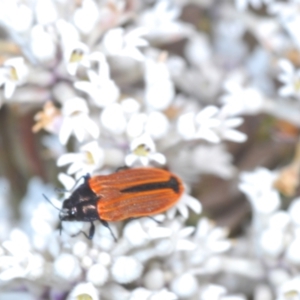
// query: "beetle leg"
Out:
[86,178]
[60,227]
[153,219]
[156,221]
[91,231]
[122,169]
[88,236]
[107,226]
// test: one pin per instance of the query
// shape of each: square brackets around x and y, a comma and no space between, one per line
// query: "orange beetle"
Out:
[129,193]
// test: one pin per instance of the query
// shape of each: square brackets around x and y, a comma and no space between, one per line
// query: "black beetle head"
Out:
[80,206]
[68,211]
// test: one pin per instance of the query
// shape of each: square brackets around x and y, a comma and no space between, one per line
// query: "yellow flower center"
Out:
[291,295]
[142,150]
[89,158]
[13,74]
[76,56]
[297,85]
[84,297]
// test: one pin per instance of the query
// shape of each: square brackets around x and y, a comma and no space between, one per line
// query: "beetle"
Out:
[125,194]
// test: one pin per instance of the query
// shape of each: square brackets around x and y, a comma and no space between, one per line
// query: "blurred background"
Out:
[206,89]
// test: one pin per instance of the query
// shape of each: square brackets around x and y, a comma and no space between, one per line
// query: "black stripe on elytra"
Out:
[171,184]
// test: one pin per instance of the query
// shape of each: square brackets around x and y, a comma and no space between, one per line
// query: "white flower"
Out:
[192,126]
[76,120]
[143,151]
[130,106]
[272,242]
[15,261]
[291,24]
[39,218]
[5,209]
[80,249]
[160,89]
[294,210]
[240,100]
[292,252]
[68,32]
[89,159]
[258,186]
[280,220]
[126,269]
[76,54]
[104,237]
[84,290]
[155,124]
[12,74]
[213,292]
[290,77]
[63,91]
[115,291]
[139,232]
[186,201]
[100,88]
[144,294]
[209,240]
[212,159]
[288,17]
[198,49]
[227,132]
[211,124]
[97,274]
[289,290]
[42,44]
[15,15]
[113,118]
[162,24]
[256,4]
[67,181]
[118,43]
[66,266]
[136,125]
[154,279]
[30,200]
[217,292]
[86,16]
[18,262]
[180,239]
[185,285]
[68,230]
[45,12]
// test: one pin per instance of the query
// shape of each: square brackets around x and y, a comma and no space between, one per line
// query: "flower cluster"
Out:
[163,83]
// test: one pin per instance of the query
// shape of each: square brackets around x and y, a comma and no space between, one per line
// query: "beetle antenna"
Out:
[60,227]
[60,190]
[47,199]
